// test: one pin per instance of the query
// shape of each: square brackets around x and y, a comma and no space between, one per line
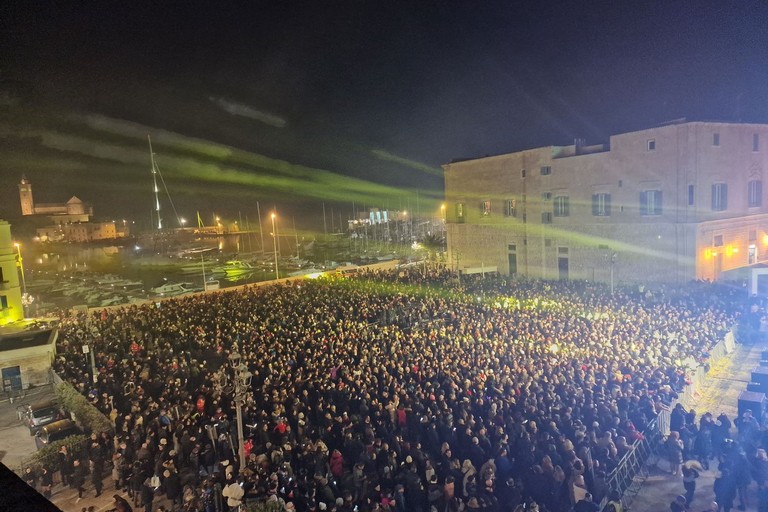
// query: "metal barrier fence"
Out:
[628,476]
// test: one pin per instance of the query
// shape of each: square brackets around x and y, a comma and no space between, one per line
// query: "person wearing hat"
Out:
[680,504]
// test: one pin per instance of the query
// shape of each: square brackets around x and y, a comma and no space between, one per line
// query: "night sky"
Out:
[298,103]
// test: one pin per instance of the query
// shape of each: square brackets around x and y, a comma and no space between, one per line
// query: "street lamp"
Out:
[274,243]
[23,280]
[239,386]
[613,262]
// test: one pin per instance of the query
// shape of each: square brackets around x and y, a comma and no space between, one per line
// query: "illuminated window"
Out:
[510,208]
[715,139]
[460,212]
[651,144]
[485,208]
[650,202]
[601,204]
[755,193]
[546,170]
[560,206]
[719,197]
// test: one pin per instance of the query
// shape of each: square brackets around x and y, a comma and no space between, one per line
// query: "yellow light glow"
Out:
[314,275]
[707,253]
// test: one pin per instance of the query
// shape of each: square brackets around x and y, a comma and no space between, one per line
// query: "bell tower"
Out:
[25,196]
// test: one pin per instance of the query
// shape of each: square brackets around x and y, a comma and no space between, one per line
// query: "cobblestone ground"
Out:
[720,393]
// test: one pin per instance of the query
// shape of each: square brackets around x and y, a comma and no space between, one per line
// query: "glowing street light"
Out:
[274,243]
[23,280]
[183,222]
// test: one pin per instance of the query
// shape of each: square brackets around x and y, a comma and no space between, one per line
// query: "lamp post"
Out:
[613,262]
[23,279]
[239,386]
[274,243]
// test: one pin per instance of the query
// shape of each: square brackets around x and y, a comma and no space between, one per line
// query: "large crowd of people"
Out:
[394,391]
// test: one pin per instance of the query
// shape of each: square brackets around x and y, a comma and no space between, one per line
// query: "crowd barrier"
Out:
[628,476]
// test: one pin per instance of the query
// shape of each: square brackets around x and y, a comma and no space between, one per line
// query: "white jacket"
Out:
[234,494]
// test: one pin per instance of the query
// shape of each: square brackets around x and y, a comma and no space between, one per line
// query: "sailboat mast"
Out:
[154,181]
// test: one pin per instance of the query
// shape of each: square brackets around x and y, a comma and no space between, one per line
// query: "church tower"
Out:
[25,196]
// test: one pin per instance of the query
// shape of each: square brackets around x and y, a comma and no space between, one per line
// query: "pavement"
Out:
[719,393]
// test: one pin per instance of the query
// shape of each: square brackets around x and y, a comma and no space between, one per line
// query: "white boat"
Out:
[173,289]
[107,279]
[234,268]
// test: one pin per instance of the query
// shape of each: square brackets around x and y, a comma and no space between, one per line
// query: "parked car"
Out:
[42,413]
[56,431]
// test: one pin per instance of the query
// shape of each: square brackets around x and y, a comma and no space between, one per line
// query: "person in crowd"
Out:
[674,448]
[77,480]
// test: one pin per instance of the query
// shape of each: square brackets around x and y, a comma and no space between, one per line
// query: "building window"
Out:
[522,173]
[650,202]
[752,235]
[719,197]
[546,218]
[485,208]
[755,142]
[511,247]
[691,195]
[460,212]
[755,193]
[510,208]
[601,204]
[546,196]
[651,144]
[561,206]
[546,170]
[717,240]
[715,139]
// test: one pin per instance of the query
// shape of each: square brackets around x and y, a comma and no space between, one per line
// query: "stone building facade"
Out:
[11,308]
[673,203]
